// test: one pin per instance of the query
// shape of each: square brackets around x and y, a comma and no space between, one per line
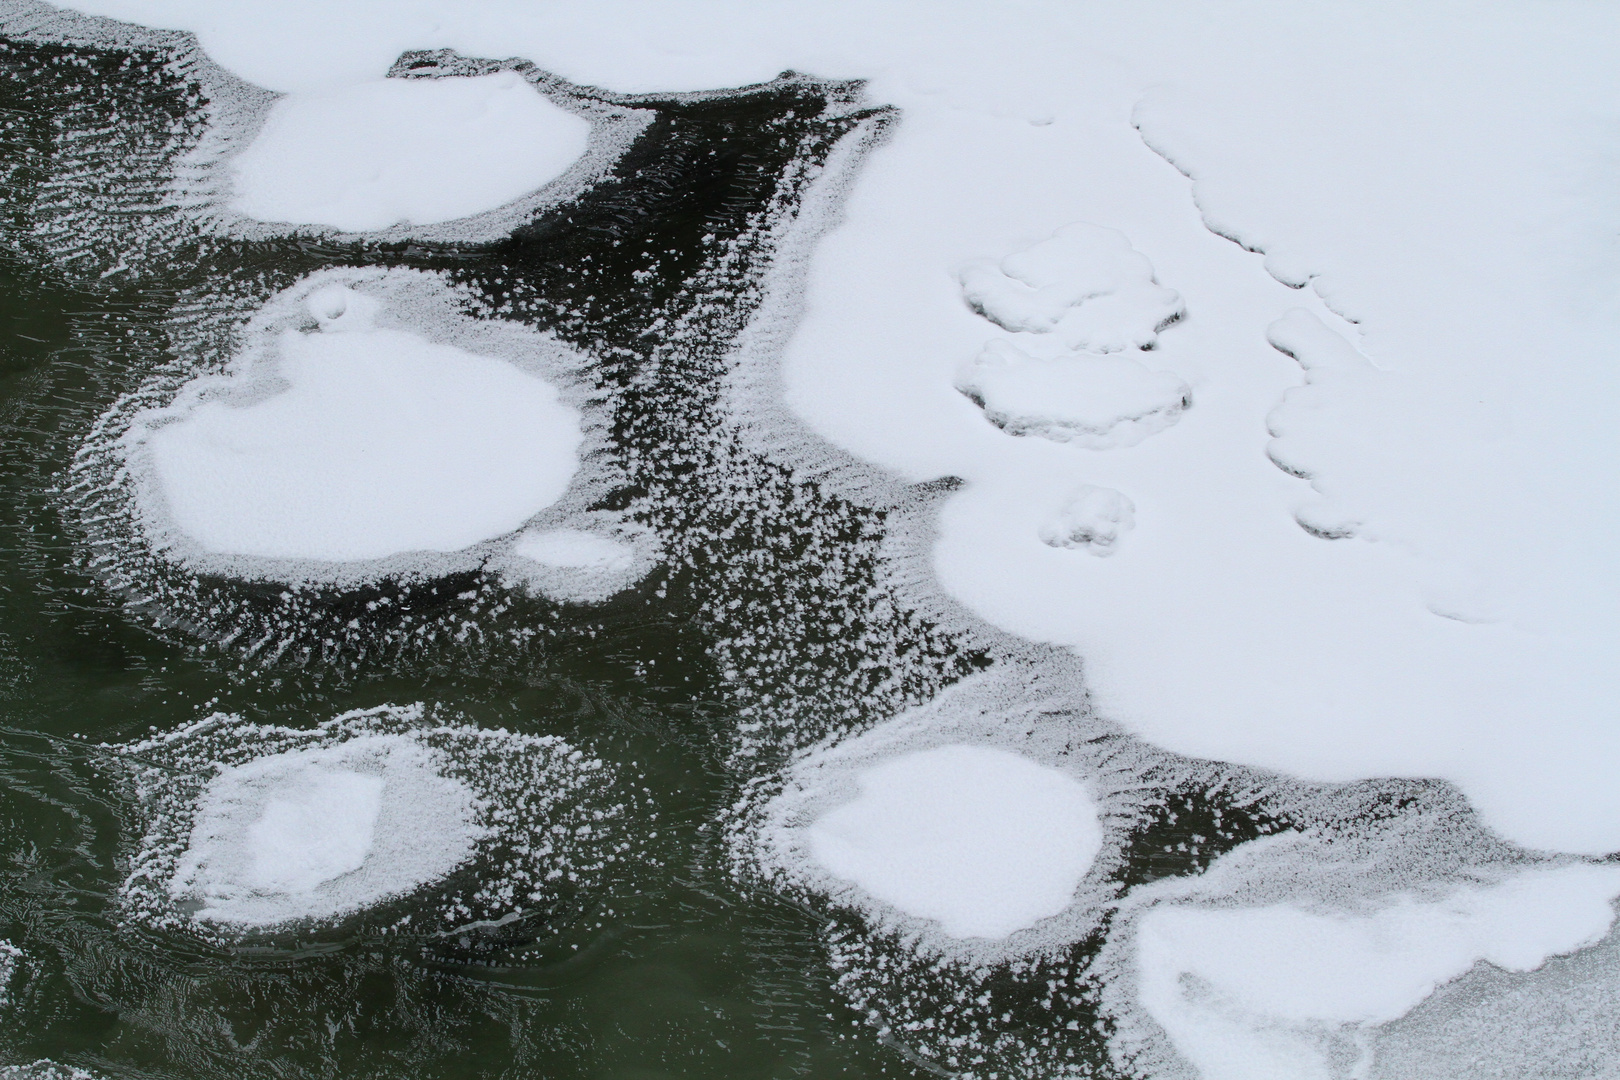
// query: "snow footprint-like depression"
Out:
[247,827]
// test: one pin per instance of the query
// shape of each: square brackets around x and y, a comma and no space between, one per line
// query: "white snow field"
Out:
[311,834]
[375,442]
[980,840]
[404,151]
[1252,993]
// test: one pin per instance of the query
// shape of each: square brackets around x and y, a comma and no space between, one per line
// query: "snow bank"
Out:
[404,151]
[1249,993]
[375,442]
[981,840]
[1099,402]
[1086,285]
[572,549]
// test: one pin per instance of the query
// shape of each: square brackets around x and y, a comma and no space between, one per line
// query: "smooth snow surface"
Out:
[1086,286]
[378,442]
[983,841]
[404,151]
[1247,993]
[1099,402]
[310,834]
[573,549]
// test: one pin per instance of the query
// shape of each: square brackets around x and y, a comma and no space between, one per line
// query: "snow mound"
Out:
[1094,519]
[311,834]
[375,442]
[248,827]
[404,151]
[1085,284]
[1099,402]
[1251,993]
[981,840]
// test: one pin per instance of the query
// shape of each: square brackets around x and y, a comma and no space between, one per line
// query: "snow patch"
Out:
[573,549]
[404,151]
[376,442]
[1093,519]
[1086,285]
[312,834]
[1099,402]
[981,840]
[1253,993]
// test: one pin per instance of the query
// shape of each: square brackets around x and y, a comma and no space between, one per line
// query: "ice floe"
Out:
[248,827]
[353,441]
[1098,402]
[1085,285]
[1260,993]
[404,151]
[979,839]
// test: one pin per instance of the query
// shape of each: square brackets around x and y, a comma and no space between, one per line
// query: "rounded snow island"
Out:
[980,840]
[367,429]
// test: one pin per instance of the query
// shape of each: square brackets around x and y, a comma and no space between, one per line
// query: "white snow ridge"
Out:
[1098,402]
[1086,285]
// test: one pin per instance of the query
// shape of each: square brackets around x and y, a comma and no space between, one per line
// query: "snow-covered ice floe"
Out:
[248,827]
[404,151]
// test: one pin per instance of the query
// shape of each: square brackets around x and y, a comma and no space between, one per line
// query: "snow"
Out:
[1247,993]
[10,957]
[375,442]
[1099,402]
[1085,285]
[573,549]
[316,833]
[411,151]
[1093,519]
[981,840]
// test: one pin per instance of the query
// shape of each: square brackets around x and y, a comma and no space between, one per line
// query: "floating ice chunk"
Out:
[1094,518]
[376,442]
[573,549]
[311,834]
[1099,402]
[1086,284]
[1256,993]
[412,151]
[984,841]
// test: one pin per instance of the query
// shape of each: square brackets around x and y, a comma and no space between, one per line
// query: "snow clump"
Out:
[1098,402]
[1085,284]
[404,151]
[983,841]
[1256,993]
[1093,519]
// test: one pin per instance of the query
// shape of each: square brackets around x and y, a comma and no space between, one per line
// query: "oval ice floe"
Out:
[408,151]
[247,827]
